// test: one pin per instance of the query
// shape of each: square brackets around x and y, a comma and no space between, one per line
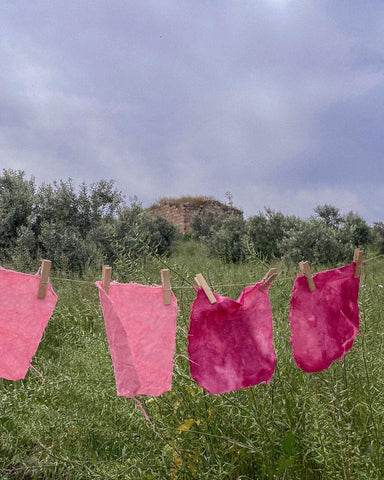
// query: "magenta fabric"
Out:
[324,323]
[141,334]
[23,318]
[230,342]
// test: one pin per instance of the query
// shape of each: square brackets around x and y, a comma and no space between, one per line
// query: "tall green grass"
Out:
[325,425]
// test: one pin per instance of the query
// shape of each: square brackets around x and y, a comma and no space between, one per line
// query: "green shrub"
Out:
[64,246]
[23,251]
[316,242]
[327,238]
[203,226]
[162,234]
[16,207]
[227,240]
[378,236]
[267,231]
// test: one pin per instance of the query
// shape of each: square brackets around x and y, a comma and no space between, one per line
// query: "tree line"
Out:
[85,227]
[326,238]
[76,228]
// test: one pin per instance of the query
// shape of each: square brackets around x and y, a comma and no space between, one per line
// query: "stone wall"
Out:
[181,214]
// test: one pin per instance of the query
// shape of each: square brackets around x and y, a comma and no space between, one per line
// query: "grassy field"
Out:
[301,426]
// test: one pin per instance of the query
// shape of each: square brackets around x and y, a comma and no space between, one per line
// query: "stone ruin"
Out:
[180,212]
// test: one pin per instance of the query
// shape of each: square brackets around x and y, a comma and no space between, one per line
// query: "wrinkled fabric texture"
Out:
[230,342]
[141,333]
[324,323]
[23,318]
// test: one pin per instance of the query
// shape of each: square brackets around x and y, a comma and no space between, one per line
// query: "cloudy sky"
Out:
[279,102]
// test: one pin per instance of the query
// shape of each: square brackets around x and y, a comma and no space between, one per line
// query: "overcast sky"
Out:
[279,102]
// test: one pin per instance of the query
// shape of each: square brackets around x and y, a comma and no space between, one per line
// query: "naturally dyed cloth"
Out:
[324,323]
[23,318]
[230,342]
[141,334]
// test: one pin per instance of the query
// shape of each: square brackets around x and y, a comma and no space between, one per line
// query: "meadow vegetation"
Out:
[326,425]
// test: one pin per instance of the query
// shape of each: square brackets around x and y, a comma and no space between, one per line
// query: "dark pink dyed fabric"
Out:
[230,342]
[324,323]
[141,334]
[23,318]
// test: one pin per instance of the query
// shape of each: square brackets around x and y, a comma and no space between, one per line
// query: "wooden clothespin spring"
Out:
[358,259]
[306,271]
[201,282]
[166,282]
[106,277]
[268,279]
[44,278]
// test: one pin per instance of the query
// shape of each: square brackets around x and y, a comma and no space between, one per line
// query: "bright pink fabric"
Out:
[141,334]
[23,318]
[324,323]
[230,342]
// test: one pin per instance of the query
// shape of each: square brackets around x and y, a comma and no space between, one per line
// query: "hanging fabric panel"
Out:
[324,323]
[23,318]
[141,334]
[230,342]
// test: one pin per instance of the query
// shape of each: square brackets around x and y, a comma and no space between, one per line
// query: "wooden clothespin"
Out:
[358,259]
[306,271]
[268,278]
[166,282]
[201,282]
[44,278]
[106,277]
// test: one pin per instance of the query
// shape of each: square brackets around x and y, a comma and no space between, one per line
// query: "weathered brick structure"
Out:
[180,212]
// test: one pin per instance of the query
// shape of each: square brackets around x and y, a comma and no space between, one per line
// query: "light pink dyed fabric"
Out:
[141,334]
[324,323]
[230,342]
[23,318]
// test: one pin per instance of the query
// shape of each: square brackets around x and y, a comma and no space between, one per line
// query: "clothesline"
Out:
[179,287]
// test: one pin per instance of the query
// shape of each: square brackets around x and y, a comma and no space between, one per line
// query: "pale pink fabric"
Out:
[324,323]
[230,342]
[141,334]
[23,318]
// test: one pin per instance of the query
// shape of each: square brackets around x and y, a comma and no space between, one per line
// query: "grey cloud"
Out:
[189,97]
